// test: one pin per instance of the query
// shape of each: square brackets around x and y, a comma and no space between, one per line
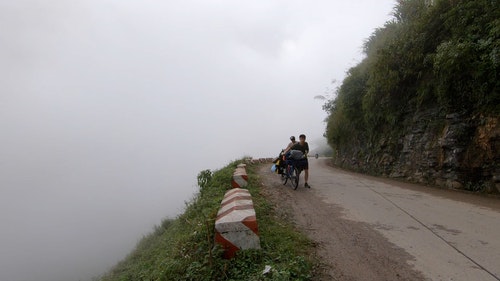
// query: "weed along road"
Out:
[367,228]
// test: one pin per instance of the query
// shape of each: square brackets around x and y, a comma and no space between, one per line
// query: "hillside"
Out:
[183,248]
[424,105]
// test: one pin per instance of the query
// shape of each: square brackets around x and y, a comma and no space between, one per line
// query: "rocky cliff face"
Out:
[452,151]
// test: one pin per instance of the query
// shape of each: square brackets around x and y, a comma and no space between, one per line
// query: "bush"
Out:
[443,54]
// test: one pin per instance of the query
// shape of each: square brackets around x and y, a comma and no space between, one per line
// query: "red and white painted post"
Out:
[236,224]
[240,177]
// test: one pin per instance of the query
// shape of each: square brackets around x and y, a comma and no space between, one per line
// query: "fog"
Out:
[109,109]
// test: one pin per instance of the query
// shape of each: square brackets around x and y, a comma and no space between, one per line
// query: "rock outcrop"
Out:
[453,151]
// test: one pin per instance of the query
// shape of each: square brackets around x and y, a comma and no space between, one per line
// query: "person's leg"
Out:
[306,174]
[306,168]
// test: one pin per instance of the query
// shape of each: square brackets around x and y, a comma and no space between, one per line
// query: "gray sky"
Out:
[109,109]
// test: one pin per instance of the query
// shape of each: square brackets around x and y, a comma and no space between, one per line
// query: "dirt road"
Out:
[366,228]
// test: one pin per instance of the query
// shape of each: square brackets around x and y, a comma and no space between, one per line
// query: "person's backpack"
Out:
[295,154]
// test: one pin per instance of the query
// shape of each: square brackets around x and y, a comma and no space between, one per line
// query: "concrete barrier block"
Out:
[240,178]
[236,225]
[240,170]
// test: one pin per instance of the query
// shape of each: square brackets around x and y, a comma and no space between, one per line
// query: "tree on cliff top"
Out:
[441,53]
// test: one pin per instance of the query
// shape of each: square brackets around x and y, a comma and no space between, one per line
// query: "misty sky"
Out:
[110,108]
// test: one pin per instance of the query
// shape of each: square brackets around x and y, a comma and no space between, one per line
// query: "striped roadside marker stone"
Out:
[240,178]
[236,225]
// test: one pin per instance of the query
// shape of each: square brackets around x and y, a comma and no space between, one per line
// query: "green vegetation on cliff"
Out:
[433,53]
[184,249]
[429,81]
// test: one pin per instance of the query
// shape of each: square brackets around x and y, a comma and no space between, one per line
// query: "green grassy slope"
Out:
[183,248]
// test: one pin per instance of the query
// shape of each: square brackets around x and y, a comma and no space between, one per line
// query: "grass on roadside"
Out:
[183,248]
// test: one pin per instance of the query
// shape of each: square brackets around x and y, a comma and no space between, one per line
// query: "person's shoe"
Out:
[306,185]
